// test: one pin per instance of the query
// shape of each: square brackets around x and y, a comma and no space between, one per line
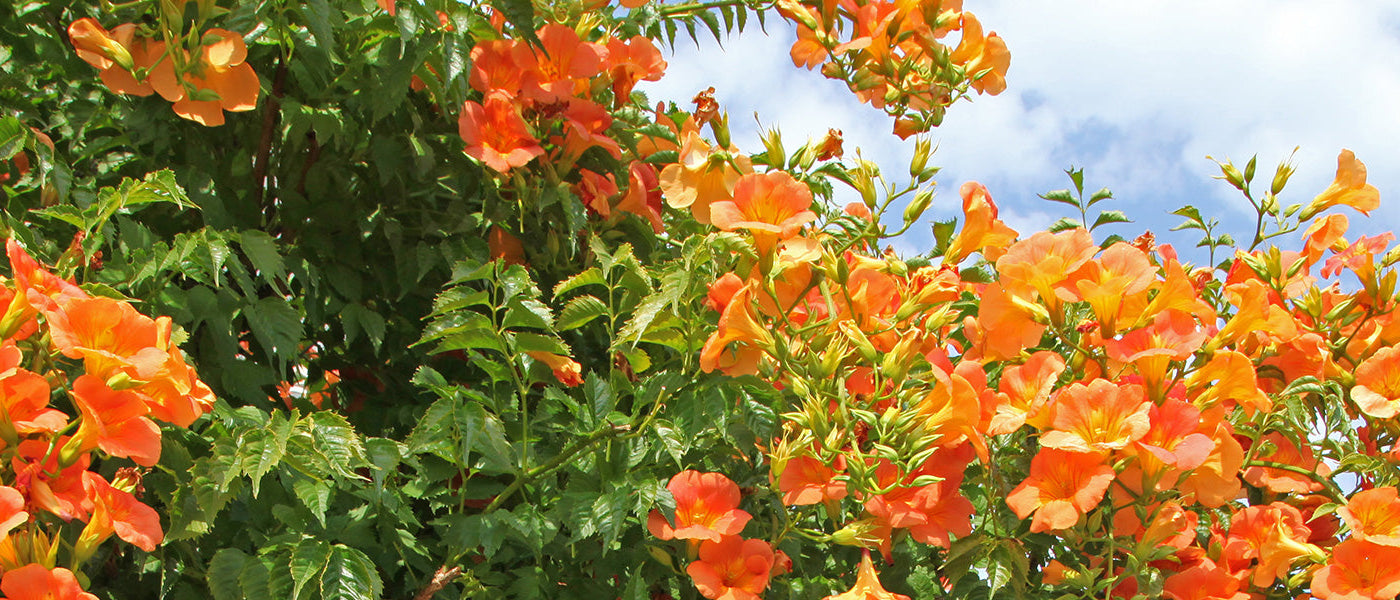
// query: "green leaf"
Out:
[350,575]
[1110,216]
[1061,196]
[1189,212]
[356,318]
[315,495]
[521,16]
[309,559]
[1065,223]
[224,573]
[262,449]
[589,276]
[579,311]
[337,441]
[13,134]
[1100,196]
[261,250]
[522,312]
[277,326]
[672,287]
[533,342]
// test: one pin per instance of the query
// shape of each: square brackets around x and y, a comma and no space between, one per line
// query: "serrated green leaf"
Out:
[309,558]
[579,311]
[350,575]
[261,250]
[521,16]
[224,574]
[523,312]
[276,325]
[589,276]
[1061,196]
[672,287]
[1065,223]
[315,495]
[335,438]
[262,449]
[1110,216]
[1100,196]
[533,342]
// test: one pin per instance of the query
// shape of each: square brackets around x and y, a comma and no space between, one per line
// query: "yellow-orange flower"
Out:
[707,508]
[1377,389]
[1100,417]
[982,231]
[1061,487]
[1046,259]
[37,582]
[1359,570]
[496,134]
[982,54]
[732,568]
[1374,516]
[772,206]
[700,176]
[867,585]
[218,70]
[1348,188]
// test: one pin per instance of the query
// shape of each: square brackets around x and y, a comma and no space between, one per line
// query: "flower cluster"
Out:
[201,83]
[1153,408]
[708,515]
[891,54]
[120,372]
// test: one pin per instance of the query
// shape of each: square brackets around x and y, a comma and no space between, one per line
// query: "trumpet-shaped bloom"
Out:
[1229,378]
[1377,389]
[1121,271]
[636,59]
[867,585]
[560,66]
[37,582]
[643,197]
[24,395]
[707,508]
[807,480]
[1099,417]
[565,369]
[1349,188]
[700,176]
[737,324]
[772,206]
[114,421]
[1046,259]
[1002,328]
[217,68]
[1359,570]
[1061,487]
[982,231]
[109,336]
[732,568]
[1204,582]
[1025,391]
[984,56]
[1171,336]
[496,134]
[117,511]
[1274,534]
[1374,516]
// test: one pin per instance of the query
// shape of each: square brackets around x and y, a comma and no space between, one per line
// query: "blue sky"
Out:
[1137,93]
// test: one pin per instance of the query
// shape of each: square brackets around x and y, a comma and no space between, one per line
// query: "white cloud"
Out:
[1137,93]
